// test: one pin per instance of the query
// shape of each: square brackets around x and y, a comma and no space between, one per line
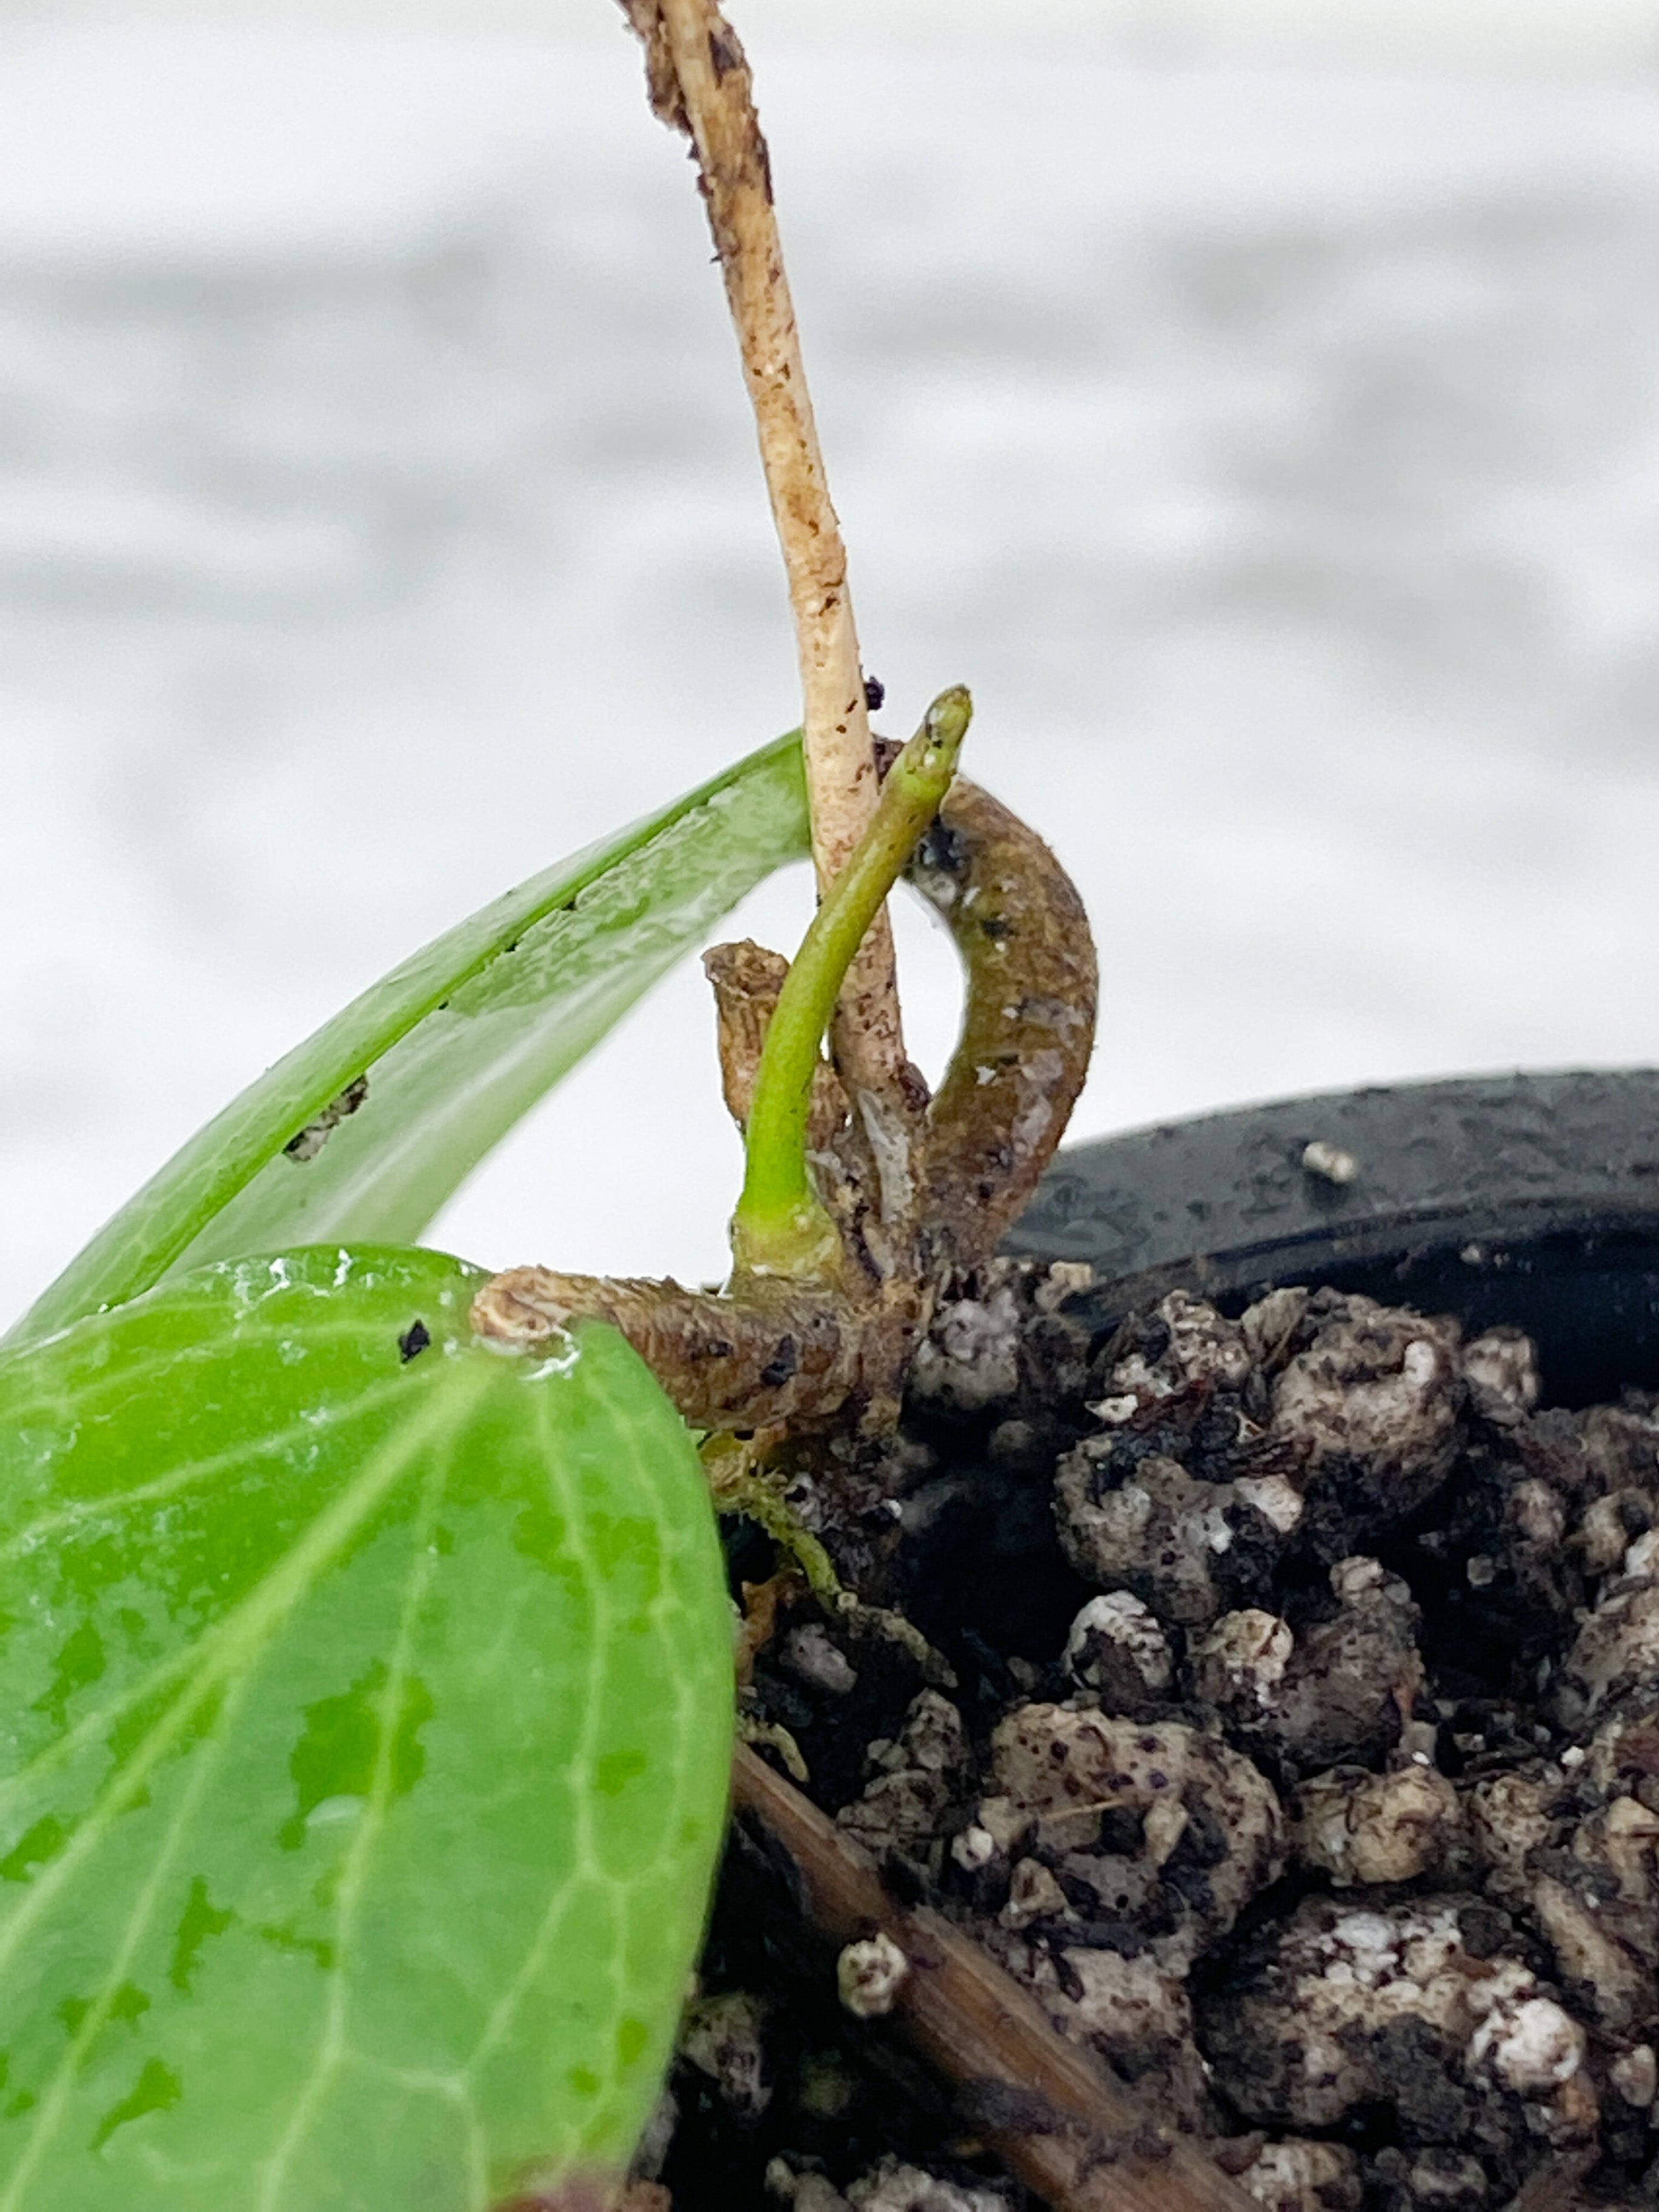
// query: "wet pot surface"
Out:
[1528,1199]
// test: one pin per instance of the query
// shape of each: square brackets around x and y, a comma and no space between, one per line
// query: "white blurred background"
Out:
[1256,405]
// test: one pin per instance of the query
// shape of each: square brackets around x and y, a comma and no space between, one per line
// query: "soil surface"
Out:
[1278,1702]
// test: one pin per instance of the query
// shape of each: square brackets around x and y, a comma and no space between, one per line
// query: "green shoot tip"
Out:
[780,1226]
[946,721]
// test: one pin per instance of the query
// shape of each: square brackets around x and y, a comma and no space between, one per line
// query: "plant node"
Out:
[780,1353]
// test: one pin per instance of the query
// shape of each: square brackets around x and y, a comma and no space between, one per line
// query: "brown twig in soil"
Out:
[1079,2140]
[1553,2186]
[699,83]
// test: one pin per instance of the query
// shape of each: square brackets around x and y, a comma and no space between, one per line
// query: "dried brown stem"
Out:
[1079,2140]
[781,1356]
[700,84]
[747,980]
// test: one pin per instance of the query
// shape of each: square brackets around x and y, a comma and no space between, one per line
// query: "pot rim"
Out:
[1532,1197]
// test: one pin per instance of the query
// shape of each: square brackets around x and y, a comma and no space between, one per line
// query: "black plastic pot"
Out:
[1530,1198]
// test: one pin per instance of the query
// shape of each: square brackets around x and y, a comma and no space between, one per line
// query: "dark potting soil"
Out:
[1284,1715]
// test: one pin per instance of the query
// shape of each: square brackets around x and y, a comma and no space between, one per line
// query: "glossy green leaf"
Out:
[454,1046]
[367,1703]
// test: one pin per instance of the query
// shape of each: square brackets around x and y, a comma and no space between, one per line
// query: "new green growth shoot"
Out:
[780,1226]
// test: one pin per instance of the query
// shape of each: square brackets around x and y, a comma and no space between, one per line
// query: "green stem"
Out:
[780,1226]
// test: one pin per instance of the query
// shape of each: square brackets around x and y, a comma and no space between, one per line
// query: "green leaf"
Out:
[455,1046]
[368,1703]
